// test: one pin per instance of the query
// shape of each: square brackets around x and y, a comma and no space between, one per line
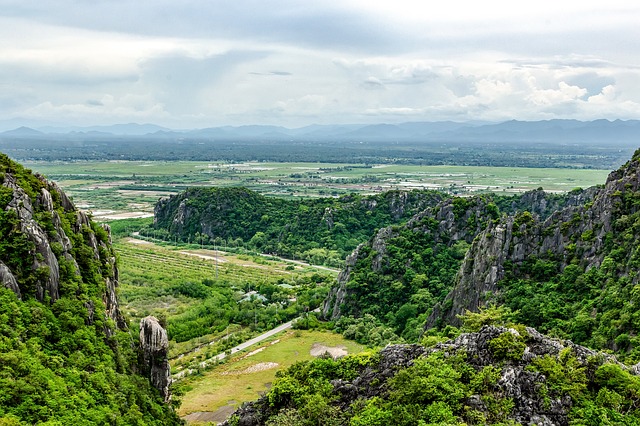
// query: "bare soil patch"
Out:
[204,256]
[254,368]
[318,349]
[137,241]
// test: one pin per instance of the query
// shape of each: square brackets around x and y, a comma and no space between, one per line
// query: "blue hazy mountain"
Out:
[556,131]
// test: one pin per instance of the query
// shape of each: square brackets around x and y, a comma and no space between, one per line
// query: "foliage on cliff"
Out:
[66,356]
[402,272]
[573,274]
[567,267]
[497,375]
[323,230]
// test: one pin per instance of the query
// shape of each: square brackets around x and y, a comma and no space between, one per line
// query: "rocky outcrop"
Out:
[62,268]
[327,223]
[109,297]
[154,345]
[519,381]
[44,261]
[576,233]
[8,280]
[39,217]
[446,223]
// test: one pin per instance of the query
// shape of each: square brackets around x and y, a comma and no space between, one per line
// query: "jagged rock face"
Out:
[43,258]
[110,297]
[8,280]
[155,348]
[39,220]
[450,229]
[338,292]
[519,237]
[517,381]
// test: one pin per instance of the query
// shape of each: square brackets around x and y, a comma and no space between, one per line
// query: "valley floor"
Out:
[247,375]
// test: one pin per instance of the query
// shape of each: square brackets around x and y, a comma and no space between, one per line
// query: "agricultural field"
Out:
[157,279]
[126,189]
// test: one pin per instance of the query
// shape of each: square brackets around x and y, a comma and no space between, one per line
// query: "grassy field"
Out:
[116,189]
[246,376]
[148,269]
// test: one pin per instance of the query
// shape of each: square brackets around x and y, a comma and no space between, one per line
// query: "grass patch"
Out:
[231,383]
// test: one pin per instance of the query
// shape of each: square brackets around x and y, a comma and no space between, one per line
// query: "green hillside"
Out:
[66,355]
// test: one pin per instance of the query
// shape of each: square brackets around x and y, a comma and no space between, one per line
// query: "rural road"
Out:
[256,339]
[240,347]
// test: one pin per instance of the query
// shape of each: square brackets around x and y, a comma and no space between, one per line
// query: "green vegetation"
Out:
[321,231]
[211,300]
[450,387]
[62,361]
[199,292]
[415,269]
[592,302]
[246,376]
[595,308]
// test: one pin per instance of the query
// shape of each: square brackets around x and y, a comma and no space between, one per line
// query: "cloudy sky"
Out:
[201,63]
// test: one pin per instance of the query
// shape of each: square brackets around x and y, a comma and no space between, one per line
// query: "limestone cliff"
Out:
[8,280]
[35,223]
[450,222]
[154,345]
[290,228]
[67,355]
[582,233]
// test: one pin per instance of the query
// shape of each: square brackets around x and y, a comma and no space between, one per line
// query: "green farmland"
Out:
[121,189]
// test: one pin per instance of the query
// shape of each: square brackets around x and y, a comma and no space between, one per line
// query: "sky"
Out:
[203,63]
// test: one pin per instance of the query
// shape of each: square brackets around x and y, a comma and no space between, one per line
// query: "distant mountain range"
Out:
[556,131]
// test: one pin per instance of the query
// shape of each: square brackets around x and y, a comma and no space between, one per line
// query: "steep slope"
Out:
[497,375]
[567,266]
[403,271]
[406,269]
[573,274]
[66,354]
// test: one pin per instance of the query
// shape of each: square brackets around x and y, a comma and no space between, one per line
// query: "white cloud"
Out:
[200,63]
[105,110]
[607,96]
[563,94]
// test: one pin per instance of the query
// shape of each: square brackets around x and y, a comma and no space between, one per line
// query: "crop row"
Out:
[136,261]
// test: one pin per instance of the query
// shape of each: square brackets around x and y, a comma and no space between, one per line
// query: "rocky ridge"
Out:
[289,228]
[519,380]
[40,222]
[54,254]
[446,223]
[581,232]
